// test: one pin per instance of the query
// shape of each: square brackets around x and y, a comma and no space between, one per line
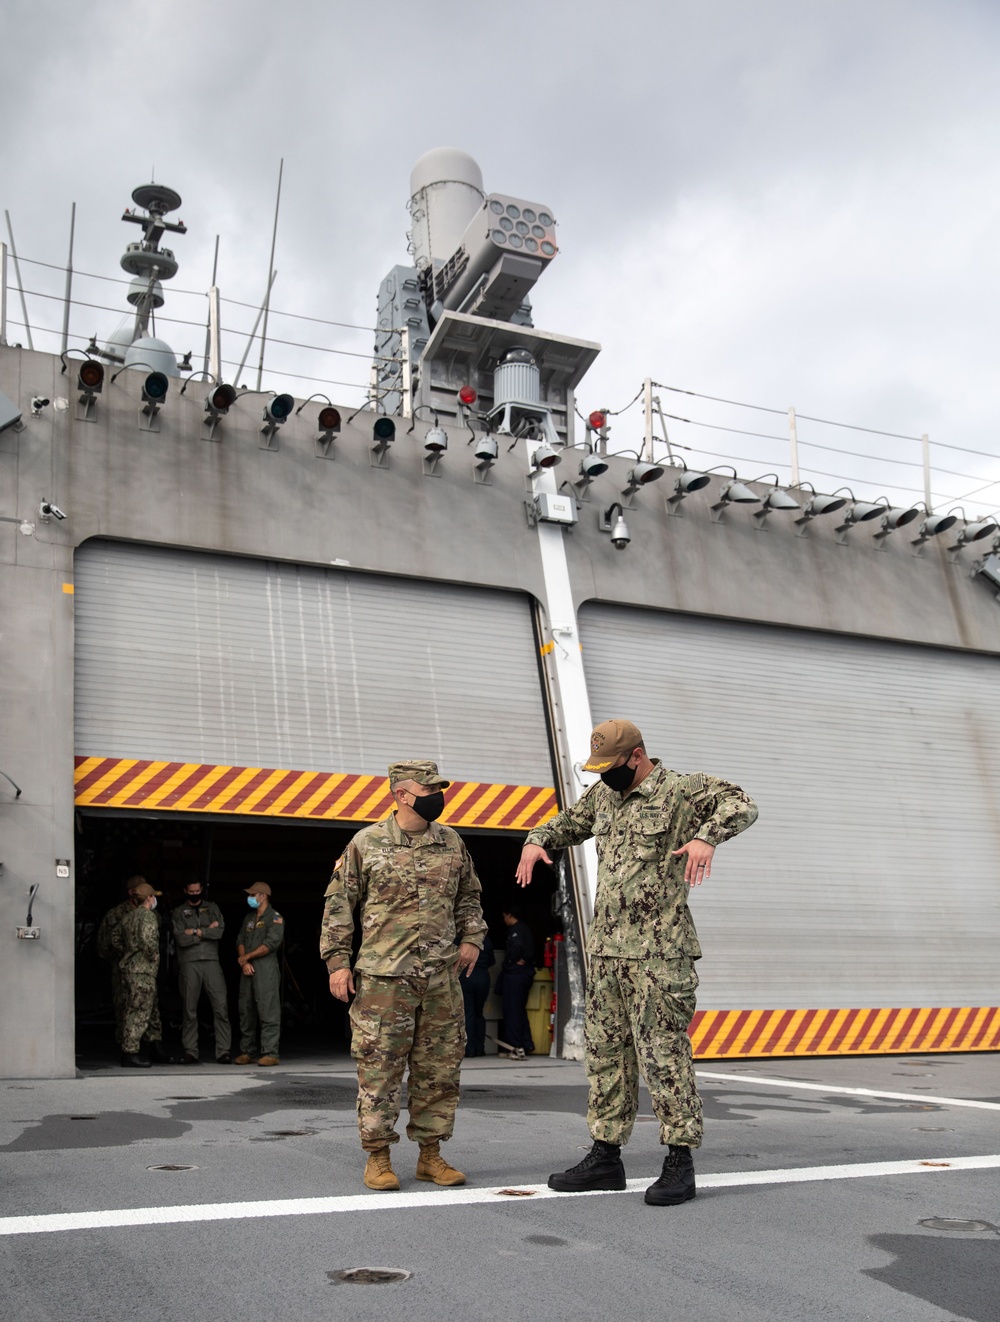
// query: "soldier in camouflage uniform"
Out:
[140,937]
[110,947]
[417,892]
[656,832]
[260,939]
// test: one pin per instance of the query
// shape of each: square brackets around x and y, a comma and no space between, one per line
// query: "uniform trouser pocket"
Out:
[636,1020]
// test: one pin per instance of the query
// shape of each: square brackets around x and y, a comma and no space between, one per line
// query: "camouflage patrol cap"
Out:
[143,890]
[424,773]
[610,741]
[258,888]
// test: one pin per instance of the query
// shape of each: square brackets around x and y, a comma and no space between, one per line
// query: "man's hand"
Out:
[341,984]
[467,956]
[189,931]
[530,855]
[247,969]
[699,861]
[215,924]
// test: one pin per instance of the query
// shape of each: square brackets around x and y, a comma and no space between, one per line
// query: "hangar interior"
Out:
[227,856]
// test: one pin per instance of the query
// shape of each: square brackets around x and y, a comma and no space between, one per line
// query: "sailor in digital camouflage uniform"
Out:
[110,947]
[140,942]
[260,939]
[417,893]
[656,832]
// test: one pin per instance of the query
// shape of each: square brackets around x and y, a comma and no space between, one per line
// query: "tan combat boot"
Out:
[433,1167]
[269,1060]
[378,1171]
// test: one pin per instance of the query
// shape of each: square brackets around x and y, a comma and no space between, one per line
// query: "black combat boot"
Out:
[132,1060]
[601,1168]
[676,1182]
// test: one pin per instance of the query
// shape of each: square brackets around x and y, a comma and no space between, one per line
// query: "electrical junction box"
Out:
[556,509]
[10,414]
[29,933]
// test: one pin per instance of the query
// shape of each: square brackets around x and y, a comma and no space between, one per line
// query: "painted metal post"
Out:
[214,367]
[69,280]
[20,284]
[647,408]
[925,445]
[406,372]
[3,293]
[793,437]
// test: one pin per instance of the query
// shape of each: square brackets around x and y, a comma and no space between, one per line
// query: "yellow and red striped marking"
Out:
[728,1034]
[110,782]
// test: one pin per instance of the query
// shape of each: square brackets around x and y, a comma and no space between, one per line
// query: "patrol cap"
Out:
[259,888]
[609,741]
[424,773]
[144,890]
[132,882]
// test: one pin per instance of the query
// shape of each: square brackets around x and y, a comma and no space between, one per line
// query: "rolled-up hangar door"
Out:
[215,684]
[862,912]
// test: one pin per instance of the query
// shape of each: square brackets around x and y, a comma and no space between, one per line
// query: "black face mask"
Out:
[194,899]
[619,778]
[429,806]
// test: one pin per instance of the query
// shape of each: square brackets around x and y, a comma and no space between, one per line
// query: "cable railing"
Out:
[891,471]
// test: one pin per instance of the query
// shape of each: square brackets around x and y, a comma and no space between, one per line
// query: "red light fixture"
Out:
[597,420]
[91,377]
[467,396]
[329,419]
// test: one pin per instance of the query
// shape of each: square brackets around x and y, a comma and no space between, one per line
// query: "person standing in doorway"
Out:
[656,832]
[517,976]
[261,936]
[198,927]
[111,947]
[417,893]
[140,940]
[475,992]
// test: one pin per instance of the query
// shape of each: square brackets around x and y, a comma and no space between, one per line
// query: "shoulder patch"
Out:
[339,863]
[277,920]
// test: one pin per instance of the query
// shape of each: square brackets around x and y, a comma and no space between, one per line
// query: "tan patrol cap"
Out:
[610,741]
[144,890]
[424,773]
[259,888]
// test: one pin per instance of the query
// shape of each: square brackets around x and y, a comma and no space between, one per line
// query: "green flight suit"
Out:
[260,994]
[198,970]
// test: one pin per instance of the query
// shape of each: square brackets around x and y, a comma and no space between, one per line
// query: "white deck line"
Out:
[436,1198]
[850,1092]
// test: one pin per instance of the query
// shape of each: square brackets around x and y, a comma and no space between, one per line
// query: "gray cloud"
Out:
[772,202]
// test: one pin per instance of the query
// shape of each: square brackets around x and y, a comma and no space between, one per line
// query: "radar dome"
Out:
[153,354]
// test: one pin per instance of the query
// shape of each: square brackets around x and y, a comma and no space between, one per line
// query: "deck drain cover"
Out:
[170,1166]
[289,1133]
[370,1275]
[949,1223]
[517,1193]
[932,1129]
[83,1117]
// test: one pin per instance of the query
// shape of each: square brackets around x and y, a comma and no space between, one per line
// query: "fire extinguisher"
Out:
[549,952]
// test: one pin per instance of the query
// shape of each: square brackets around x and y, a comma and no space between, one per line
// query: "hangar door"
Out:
[211,683]
[871,878]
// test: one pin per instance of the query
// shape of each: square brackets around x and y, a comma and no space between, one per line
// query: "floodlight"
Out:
[591,466]
[817,505]
[687,481]
[974,532]
[733,493]
[640,476]
[329,423]
[545,457]
[776,499]
[894,517]
[861,511]
[90,379]
[383,435]
[220,401]
[932,526]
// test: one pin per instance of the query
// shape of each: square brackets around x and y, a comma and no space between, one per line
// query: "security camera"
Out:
[38,403]
[620,537]
[47,510]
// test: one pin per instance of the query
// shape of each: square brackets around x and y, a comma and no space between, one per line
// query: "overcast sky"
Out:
[783,202]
